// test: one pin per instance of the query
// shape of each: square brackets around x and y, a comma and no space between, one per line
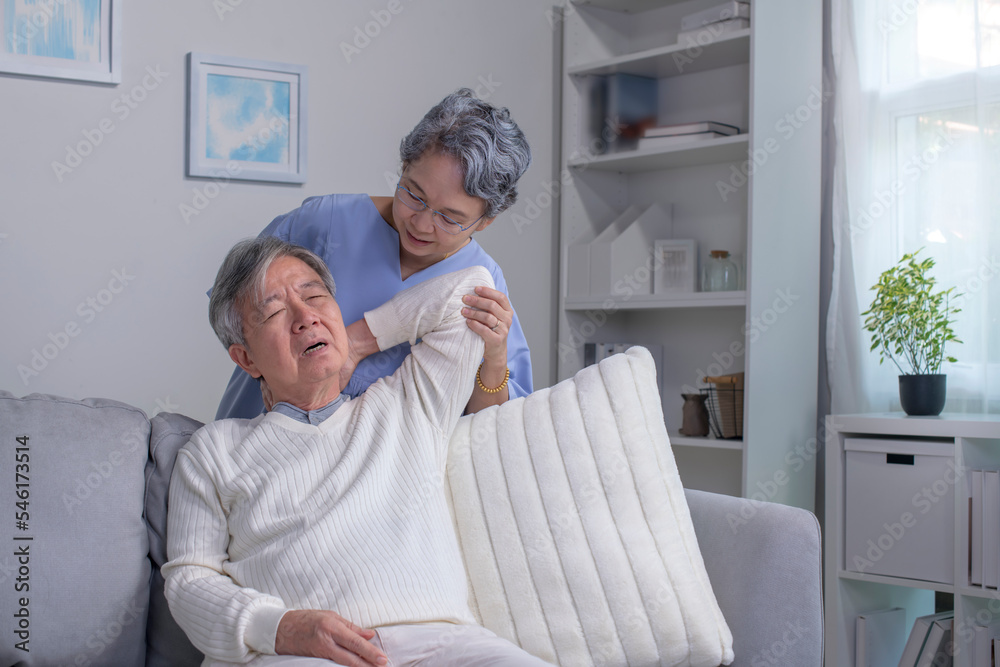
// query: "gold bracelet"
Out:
[479,381]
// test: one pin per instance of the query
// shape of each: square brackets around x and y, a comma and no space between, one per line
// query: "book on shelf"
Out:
[622,107]
[975,527]
[647,143]
[880,637]
[938,648]
[690,128]
[721,12]
[980,649]
[914,647]
[983,538]
[991,528]
[707,33]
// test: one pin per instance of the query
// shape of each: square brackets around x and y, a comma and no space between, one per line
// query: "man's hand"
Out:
[265,393]
[326,634]
[361,343]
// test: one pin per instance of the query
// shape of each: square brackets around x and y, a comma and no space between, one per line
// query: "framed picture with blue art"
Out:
[63,39]
[246,119]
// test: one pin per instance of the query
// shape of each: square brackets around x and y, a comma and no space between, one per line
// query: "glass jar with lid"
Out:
[719,273]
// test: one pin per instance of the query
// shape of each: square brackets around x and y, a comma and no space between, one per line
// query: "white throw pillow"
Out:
[575,531]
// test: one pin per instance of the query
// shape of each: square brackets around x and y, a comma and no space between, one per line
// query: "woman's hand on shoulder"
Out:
[489,313]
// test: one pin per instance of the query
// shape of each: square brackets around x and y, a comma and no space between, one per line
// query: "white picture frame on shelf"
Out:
[70,39]
[674,266]
[247,119]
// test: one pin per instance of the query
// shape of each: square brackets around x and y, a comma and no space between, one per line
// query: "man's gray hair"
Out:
[489,145]
[241,280]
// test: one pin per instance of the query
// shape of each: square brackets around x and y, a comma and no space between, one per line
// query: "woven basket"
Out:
[725,404]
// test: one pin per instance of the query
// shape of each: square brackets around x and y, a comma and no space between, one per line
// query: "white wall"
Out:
[62,241]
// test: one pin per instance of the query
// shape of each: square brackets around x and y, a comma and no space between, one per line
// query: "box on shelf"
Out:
[621,257]
[619,260]
[900,508]
[578,263]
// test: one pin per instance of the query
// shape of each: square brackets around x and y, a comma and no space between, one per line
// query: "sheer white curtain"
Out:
[917,165]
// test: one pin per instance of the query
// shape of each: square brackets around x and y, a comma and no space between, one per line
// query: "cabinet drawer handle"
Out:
[899,459]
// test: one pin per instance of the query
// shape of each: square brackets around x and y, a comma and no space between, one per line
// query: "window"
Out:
[918,125]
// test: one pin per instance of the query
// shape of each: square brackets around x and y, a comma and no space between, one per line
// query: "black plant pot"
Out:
[922,395]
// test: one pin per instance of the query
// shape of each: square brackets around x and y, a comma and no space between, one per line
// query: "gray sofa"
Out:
[85,498]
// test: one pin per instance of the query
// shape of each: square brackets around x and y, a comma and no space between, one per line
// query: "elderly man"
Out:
[320,528]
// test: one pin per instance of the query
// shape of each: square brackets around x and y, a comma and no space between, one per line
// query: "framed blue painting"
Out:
[63,39]
[246,119]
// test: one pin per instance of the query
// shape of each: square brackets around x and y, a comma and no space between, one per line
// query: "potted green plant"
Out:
[910,324]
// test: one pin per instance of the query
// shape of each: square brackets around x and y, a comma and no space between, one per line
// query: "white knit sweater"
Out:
[270,514]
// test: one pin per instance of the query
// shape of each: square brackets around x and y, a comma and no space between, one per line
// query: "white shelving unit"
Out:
[975,441]
[756,194]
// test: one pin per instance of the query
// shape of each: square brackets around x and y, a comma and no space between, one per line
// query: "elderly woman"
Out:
[460,167]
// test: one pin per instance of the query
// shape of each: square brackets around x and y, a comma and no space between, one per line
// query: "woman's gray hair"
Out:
[241,279]
[489,145]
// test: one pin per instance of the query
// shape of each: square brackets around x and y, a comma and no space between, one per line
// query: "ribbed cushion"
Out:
[574,526]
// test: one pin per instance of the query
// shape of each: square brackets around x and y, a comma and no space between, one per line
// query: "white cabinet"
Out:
[756,194]
[866,558]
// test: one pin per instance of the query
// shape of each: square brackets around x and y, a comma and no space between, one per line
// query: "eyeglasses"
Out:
[442,221]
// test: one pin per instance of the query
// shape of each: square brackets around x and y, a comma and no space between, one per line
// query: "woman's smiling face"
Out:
[437,179]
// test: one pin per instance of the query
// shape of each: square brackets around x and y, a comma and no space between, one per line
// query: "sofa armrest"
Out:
[764,561]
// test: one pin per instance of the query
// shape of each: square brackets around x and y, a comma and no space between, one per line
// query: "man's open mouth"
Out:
[312,348]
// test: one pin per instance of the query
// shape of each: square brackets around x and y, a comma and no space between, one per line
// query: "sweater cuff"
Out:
[262,630]
[385,325]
